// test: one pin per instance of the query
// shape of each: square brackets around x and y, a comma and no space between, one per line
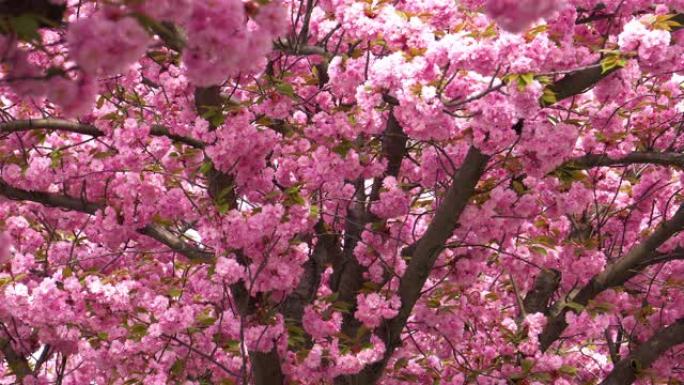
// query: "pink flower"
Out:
[75,97]
[177,11]
[106,43]
[373,308]
[516,15]
[273,17]
[229,269]
[651,44]
[392,203]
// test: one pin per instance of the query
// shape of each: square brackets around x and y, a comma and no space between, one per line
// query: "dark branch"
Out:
[615,274]
[85,129]
[265,366]
[600,160]
[156,232]
[423,259]
[545,285]
[326,250]
[348,273]
[582,80]
[17,362]
[46,13]
[577,82]
[626,371]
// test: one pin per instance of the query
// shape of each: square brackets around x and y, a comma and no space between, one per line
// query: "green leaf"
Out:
[292,196]
[175,292]
[342,149]
[549,97]
[178,367]
[434,303]
[541,376]
[665,22]
[611,63]
[524,80]
[25,26]
[574,306]
[331,298]
[401,363]
[55,158]
[341,306]
[205,319]
[518,187]
[104,154]
[567,369]
[137,332]
[205,167]
[538,249]
[285,89]
[314,211]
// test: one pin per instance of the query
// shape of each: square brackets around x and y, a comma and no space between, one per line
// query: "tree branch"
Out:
[582,80]
[615,274]
[86,129]
[423,259]
[325,250]
[626,371]
[602,160]
[17,362]
[577,82]
[348,273]
[153,231]
[538,297]
[265,366]
[302,50]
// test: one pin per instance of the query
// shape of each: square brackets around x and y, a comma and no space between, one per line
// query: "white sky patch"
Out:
[194,235]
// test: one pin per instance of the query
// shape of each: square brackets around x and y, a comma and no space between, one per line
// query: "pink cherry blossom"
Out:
[341,192]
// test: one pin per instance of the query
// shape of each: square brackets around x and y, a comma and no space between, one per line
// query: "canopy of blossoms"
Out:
[394,192]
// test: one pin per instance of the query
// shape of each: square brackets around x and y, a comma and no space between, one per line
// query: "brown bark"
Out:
[154,231]
[627,370]
[17,362]
[615,274]
[538,297]
[86,129]
[423,258]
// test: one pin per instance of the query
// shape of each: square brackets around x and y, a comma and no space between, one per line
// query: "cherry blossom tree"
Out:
[347,192]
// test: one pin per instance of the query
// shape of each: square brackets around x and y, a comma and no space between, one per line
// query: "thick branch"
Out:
[426,252]
[677,254]
[577,82]
[85,129]
[325,250]
[600,160]
[615,274]
[176,244]
[394,145]
[582,80]
[347,277]
[156,232]
[348,273]
[538,297]
[18,363]
[48,13]
[304,50]
[266,368]
[626,371]
[442,226]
